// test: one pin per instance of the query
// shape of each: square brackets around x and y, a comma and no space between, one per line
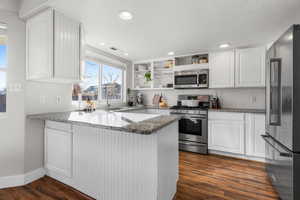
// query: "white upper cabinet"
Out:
[39,46]
[221,65]
[53,47]
[250,67]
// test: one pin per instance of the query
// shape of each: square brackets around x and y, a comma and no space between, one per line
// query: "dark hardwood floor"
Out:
[201,178]
[216,177]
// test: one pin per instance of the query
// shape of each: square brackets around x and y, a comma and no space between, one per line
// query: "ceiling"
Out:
[182,26]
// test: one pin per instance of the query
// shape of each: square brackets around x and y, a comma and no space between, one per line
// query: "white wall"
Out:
[10,5]
[230,98]
[28,5]
[12,124]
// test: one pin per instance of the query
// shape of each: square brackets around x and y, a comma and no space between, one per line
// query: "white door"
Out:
[58,152]
[226,136]
[250,67]
[221,65]
[255,127]
[39,46]
[67,48]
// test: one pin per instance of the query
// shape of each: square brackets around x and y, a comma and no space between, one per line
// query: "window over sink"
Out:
[100,82]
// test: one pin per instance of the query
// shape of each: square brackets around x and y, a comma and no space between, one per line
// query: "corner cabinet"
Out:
[237,134]
[221,66]
[226,132]
[250,67]
[53,47]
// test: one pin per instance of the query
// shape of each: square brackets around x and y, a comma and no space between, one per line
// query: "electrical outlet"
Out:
[58,99]
[42,100]
[253,99]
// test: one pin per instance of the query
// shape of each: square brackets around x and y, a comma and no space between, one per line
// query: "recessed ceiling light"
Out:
[102,43]
[126,54]
[125,15]
[171,53]
[224,45]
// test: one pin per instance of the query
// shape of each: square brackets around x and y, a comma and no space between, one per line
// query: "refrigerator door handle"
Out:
[274,113]
[283,154]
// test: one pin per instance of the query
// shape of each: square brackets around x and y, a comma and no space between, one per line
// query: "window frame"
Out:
[3,32]
[101,63]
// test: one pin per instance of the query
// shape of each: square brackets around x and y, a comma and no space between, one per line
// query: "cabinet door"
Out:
[225,135]
[58,152]
[66,47]
[255,127]
[250,67]
[221,65]
[39,44]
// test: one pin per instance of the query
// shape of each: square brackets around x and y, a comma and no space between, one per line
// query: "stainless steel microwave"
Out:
[191,79]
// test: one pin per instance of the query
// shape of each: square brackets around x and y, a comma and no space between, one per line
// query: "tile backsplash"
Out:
[229,98]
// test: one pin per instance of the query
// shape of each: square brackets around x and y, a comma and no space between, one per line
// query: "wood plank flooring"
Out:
[216,177]
[202,177]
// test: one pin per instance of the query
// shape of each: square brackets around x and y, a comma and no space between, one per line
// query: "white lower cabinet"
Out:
[237,134]
[58,149]
[255,127]
[226,132]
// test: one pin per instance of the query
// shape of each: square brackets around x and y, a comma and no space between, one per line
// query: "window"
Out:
[97,75]
[112,81]
[3,68]
[88,89]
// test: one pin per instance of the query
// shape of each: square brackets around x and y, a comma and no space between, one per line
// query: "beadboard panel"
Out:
[66,47]
[126,160]
[85,153]
[168,161]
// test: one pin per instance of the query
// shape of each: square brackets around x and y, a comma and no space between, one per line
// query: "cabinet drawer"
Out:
[59,126]
[226,116]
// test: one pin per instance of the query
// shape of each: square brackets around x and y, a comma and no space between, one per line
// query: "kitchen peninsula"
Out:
[113,155]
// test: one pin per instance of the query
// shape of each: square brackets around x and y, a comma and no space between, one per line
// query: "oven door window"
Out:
[191,126]
[186,80]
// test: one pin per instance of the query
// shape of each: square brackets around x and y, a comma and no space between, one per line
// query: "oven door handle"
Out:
[194,117]
[191,143]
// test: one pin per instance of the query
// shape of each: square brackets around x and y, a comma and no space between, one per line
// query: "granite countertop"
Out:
[121,121]
[241,110]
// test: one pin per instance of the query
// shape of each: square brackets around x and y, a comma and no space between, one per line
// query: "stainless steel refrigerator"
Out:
[283,114]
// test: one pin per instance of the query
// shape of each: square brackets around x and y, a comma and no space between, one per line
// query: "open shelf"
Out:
[139,71]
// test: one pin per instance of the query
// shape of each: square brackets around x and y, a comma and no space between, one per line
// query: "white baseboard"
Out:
[236,155]
[11,181]
[20,180]
[34,175]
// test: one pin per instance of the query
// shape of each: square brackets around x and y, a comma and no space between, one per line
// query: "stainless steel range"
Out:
[193,110]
